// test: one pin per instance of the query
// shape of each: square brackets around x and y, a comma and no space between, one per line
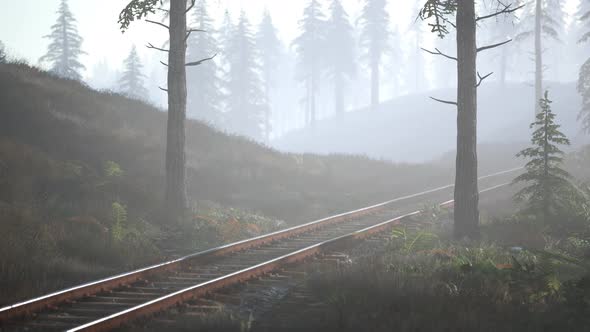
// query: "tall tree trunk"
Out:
[267,111]
[466,191]
[176,201]
[418,70]
[338,93]
[538,57]
[312,110]
[503,65]
[374,83]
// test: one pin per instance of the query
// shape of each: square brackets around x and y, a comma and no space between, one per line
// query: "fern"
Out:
[119,214]
[113,170]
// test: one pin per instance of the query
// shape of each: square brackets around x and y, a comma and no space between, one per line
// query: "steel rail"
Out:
[37,304]
[193,292]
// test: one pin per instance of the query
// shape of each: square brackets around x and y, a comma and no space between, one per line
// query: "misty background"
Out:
[285,96]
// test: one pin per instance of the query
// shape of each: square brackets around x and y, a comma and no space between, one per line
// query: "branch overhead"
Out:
[196,63]
[438,52]
[507,9]
[481,78]
[448,102]
[487,47]
[149,45]
[158,23]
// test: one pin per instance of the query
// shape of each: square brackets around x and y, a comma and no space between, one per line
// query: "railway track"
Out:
[110,303]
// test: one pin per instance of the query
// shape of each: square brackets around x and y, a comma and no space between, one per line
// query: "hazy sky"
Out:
[23,23]
[97,23]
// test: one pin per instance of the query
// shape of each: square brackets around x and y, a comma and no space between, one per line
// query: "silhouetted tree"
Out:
[441,14]
[375,34]
[541,18]
[131,82]
[65,47]
[245,100]
[2,53]
[269,46]
[225,34]
[204,83]
[584,75]
[175,199]
[309,47]
[340,46]
[547,184]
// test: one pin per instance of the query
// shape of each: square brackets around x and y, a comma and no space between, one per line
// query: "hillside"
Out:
[414,128]
[81,174]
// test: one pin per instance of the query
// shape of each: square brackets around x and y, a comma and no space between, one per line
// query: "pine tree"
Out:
[269,45]
[203,82]
[131,82]
[583,20]
[375,36]
[542,18]
[225,33]
[245,101]
[65,48]
[309,47]
[547,184]
[176,203]
[2,53]
[584,75]
[340,45]
[466,20]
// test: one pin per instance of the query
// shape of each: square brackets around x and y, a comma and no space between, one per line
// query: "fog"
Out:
[406,126]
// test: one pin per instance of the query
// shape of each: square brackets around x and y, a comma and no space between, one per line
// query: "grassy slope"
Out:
[56,198]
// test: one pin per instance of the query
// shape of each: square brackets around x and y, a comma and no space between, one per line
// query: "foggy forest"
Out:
[300,165]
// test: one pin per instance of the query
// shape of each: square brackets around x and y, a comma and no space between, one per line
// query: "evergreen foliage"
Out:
[269,46]
[2,53]
[309,48]
[546,183]
[584,91]
[65,48]
[203,82]
[375,34]
[340,45]
[583,16]
[552,19]
[245,100]
[131,82]
[584,74]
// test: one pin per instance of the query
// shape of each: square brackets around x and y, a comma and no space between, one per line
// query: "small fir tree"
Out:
[546,184]
[131,82]
[65,48]
[2,53]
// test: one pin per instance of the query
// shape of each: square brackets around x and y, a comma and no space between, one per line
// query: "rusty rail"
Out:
[28,307]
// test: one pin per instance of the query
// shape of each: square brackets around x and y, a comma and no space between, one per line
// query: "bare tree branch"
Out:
[487,47]
[191,6]
[444,101]
[164,63]
[481,78]
[161,88]
[149,45]
[196,63]
[158,23]
[438,52]
[505,10]
[189,31]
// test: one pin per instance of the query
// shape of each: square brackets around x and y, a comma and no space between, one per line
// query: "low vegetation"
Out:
[81,178]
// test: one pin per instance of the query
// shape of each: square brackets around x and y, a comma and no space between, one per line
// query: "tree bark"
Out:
[176,201]
[503,65]
[338,94]
[538,57]
[466,187]
[374,84]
